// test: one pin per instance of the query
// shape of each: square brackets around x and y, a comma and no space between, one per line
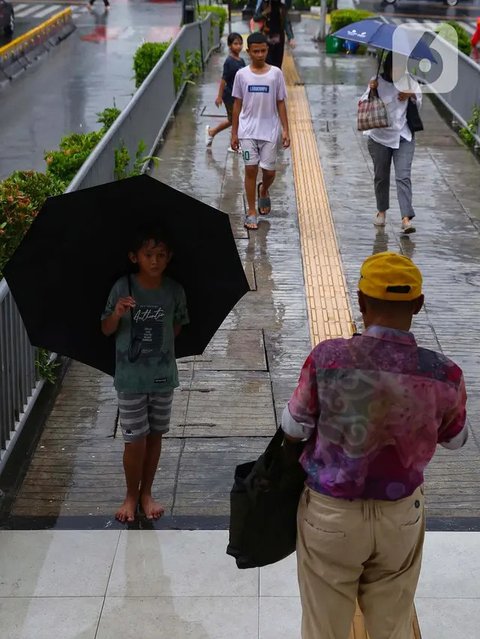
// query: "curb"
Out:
[18,55]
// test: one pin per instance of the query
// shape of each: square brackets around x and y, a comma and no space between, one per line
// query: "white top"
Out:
[397,113]
[259,92]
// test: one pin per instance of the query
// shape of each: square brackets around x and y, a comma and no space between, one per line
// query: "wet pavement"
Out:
[424,8]
[229,401]
[89,71]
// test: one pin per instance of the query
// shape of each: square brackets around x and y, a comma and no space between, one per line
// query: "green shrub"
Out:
[468,133]
[463,39]
[75,148]
[21,198]
[220,14]
[343,17]
[146,57]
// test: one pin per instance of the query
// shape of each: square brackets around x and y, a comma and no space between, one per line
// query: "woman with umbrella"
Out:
[395,142]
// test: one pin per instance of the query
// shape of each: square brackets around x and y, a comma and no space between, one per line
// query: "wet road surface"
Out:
[90,70]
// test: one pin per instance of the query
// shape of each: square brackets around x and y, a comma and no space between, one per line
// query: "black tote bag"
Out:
[414,120]
[263,505]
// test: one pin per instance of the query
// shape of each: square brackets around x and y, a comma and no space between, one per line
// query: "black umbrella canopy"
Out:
[63,270]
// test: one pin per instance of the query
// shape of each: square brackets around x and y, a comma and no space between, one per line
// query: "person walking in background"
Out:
[259,118]
[232,64]
[373,409]
[272,19]
[106,4]
[476,39]
[395,142]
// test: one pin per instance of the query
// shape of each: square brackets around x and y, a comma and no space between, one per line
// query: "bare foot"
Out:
[151,508]
[126,512]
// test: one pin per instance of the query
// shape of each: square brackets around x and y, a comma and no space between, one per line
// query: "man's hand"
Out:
[373,84]
[123,305]
[235,142]
[292,44]
[285,139]
[218,101]
[404,95]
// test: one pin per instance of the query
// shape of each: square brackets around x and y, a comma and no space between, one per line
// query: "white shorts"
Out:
[259,152]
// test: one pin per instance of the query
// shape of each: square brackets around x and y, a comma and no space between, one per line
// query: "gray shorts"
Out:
[142,414]
[260,152]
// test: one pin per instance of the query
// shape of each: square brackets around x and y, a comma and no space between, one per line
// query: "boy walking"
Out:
[232,64]
[373,408]
[145,311]
[259,117]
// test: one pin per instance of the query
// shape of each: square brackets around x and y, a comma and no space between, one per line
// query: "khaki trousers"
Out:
[365,549]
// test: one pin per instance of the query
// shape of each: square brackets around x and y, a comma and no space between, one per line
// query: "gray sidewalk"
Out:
[230,399]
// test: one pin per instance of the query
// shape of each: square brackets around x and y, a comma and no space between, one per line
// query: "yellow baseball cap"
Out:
[390,276]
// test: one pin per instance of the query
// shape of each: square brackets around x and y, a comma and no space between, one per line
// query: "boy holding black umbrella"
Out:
[145,311]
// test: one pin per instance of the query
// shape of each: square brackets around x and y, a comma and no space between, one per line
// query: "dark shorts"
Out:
[142,414]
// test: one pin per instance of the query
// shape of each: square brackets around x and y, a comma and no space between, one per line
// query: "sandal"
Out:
[251,222]
[263,202]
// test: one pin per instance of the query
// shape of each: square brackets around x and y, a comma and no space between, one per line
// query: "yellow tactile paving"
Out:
[327,300]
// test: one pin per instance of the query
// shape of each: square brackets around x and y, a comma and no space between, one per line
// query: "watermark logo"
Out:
[432,57]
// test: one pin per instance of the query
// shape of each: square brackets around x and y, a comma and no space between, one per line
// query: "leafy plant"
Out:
[146,57]
[21,198]
[468,133]
[220,15]
[122,161]
[462,41]
[343,17]
[46,368]
[76,147]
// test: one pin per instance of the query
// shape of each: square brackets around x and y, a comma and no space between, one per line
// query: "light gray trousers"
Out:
[402,161]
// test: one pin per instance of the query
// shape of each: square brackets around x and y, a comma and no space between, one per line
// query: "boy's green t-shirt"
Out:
[156,313]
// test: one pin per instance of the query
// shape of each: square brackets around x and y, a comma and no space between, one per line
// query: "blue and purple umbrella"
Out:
[380,35]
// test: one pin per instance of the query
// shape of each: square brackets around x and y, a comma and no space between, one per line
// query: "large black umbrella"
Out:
[63,270]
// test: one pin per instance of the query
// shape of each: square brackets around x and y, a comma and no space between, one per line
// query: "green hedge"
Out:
[220,13]
[343,17]
[463,38]
[146,57]
[21,197]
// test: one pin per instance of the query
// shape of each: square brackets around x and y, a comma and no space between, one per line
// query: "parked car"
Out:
[7,18]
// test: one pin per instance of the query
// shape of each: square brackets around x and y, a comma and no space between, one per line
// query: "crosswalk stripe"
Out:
[50,9]
[27,12]
[18,7]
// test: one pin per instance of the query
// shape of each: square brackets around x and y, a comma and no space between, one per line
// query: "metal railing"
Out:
[465,96]
[144,118]
[19,381]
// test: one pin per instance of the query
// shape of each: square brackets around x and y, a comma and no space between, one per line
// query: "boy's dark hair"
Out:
[148,232]
[232,37]
[256,38]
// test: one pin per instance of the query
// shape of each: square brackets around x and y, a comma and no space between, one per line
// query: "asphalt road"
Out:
[90,70]
[430,9]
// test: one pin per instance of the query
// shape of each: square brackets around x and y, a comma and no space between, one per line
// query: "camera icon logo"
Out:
[430,57]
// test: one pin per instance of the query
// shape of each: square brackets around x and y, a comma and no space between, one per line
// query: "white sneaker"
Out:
[208,137]
[232,150]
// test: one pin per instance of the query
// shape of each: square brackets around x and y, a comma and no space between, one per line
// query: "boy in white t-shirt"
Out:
[259,117]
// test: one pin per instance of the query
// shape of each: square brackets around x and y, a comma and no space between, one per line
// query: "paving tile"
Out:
[178,563]
[444,618]
[34,618]
[44,563]
[179,618]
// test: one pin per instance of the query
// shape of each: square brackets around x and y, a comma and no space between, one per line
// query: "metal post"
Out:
[322,29]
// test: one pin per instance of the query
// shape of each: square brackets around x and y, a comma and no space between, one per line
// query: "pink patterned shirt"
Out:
[374,408]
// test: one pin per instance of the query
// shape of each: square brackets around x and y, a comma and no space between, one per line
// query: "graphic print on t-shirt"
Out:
[258,88]
[148,328]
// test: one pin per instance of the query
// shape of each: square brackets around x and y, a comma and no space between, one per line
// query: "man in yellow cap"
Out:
[373,409]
